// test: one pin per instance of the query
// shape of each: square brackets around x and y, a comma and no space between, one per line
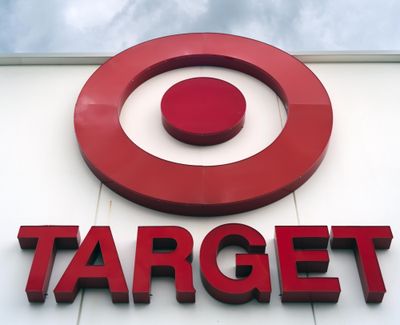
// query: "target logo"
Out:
[203,111]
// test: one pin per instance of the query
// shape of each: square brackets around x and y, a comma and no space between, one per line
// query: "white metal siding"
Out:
[45,181]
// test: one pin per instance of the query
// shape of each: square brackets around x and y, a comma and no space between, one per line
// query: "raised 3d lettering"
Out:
[168,250]
[174,257]
[46,240]
[364,240]
[81,273]
[303,249]
[254,266]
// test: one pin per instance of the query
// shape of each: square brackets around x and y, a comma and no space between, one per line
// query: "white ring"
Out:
[140,119]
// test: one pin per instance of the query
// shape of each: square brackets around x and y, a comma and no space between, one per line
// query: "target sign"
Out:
[203,111]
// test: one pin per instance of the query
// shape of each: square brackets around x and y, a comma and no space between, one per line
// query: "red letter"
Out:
[254,266]
[176,263]
[82,273]
[291,242]
[364,241]
[46,240]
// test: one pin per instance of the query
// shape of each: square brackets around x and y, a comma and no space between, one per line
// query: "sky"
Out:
[109,26]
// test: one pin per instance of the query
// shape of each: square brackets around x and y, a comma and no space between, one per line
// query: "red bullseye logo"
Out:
[203,111]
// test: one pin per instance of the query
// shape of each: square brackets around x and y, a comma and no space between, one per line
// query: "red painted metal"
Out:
[81,273]
[303,249]
[174,257]
[46,240]
[364,240]
[254,266]
[167,251]
[203,111]
[203,190]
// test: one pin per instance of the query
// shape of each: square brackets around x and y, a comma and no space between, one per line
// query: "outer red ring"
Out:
[203,190]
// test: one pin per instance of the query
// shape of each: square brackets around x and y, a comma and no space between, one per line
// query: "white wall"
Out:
[45,181]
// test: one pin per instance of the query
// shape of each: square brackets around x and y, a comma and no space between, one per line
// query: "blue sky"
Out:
[41,26]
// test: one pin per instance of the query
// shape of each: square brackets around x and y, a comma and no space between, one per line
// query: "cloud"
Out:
[113,25]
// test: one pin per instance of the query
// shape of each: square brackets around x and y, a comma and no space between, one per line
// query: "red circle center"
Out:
[203,111]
